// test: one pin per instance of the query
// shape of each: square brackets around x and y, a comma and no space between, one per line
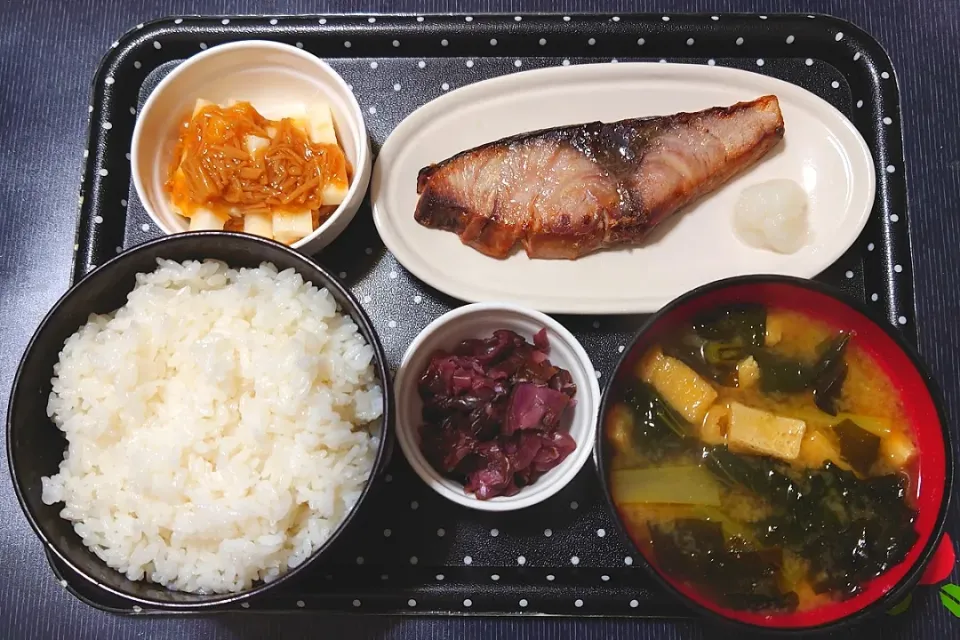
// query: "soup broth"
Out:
[763,459]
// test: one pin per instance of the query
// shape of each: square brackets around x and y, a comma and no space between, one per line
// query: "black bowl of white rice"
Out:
[197,420]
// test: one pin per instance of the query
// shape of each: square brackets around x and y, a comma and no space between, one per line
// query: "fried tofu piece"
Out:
[758,431]
[748,372]
[682,387]
[774,333]
[714,427]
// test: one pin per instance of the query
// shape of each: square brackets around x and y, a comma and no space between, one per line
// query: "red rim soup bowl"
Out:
[923,406]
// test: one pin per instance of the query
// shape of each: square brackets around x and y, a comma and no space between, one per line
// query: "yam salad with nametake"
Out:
[235,170]
[762,459]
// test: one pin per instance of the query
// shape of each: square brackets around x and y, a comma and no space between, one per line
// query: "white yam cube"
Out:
[178,178]
[255,143]
[334,194]
[199,105]
[757,431]
[321,127]
[288,227]
[206,220]
[259,224]
[279,110]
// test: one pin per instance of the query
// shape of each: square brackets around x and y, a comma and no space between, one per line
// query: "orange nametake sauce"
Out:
[232,162]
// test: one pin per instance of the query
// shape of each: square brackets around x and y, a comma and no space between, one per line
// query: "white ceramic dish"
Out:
[270,76]
[822,151]
[480,321]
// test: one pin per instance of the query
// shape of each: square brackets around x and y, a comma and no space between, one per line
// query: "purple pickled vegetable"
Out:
[540,341]
[555,448]
[493,475]
[563,382]
[533,407]
[493,413]
[522,449]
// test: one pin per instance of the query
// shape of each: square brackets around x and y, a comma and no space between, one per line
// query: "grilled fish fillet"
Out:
[569,191]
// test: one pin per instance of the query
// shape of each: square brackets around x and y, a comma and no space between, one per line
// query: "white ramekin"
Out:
[480,321]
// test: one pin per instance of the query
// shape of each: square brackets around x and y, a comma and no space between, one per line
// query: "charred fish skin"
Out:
[569,191]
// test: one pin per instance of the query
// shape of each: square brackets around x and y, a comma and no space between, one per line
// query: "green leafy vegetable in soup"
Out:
[764,460]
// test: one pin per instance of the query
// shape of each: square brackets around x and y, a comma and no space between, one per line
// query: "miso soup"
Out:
[762,459]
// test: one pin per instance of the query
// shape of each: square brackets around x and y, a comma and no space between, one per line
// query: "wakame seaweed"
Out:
[659,430]
[830,372]
[715,342]
[743,323]
[694,551]
[848,529]
[781,374]
[858,447]
[715,361]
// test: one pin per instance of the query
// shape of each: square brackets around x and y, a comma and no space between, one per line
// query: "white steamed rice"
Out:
[216,425]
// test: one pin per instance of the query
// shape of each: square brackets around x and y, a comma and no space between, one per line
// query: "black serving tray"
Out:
[409,551]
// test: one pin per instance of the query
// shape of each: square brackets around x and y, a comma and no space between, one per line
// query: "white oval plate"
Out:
[821,151]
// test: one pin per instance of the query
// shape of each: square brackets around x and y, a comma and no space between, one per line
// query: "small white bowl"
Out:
[480,321]
[269,75]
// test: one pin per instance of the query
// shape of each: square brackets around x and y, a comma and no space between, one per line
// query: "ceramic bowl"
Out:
[270,76]
[35,446]
[923,408]
[480,321]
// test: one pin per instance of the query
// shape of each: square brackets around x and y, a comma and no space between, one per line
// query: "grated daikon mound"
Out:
[773,215]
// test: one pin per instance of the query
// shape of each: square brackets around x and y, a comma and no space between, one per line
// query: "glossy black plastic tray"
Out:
[409,551]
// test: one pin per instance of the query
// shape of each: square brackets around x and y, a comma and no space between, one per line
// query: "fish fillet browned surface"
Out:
[569,191]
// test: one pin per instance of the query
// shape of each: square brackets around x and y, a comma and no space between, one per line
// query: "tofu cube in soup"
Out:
[817,449]
[759,431]
[679,385]
[897,449]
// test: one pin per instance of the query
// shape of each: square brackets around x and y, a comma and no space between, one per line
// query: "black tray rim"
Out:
[900,297]
[902,303]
